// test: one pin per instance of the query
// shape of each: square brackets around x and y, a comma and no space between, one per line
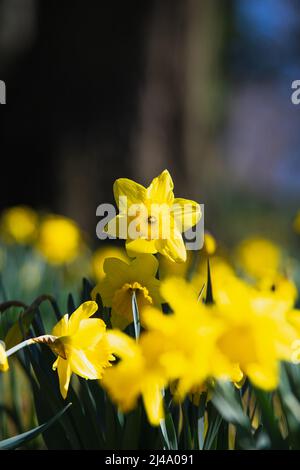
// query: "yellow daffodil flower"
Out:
[241,334]
[82,346]
[3,358]
[19,225]
[121,280]
[257,334]
[138,373]
[189,336]
[154,219]
[59,240]
[259,257]
[101,254]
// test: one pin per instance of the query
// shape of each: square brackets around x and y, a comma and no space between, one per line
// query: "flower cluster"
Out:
[204,317]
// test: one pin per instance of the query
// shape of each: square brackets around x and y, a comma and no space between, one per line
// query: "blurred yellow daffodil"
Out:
[121,280]
[59,240]
[19,224]
[189,336]
[258,257]
[138,373]
[3,358]
[81,345]
[101,254]
[154,219]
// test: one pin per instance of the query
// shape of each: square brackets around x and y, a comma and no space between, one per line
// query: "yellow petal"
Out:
[84,311]
[173,248]
[133,192]
[119,321]
[161,189]
[61,328]
[81,364]
[121,344]
[90,332]
[264,376]
[3,359]
[185,292]
[139,246]
[186,213]
[152,398]
[64,375]
[145,267]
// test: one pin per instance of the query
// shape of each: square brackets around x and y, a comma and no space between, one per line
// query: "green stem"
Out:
[19,346]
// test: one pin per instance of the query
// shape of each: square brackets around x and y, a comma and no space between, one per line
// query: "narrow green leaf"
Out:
[136,316]
[18,441]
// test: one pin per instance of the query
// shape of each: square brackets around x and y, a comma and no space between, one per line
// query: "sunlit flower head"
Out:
[81,345]
[138,373]
[19,225]
[121,280]
[259,257]
[101,254]
[151,219]
[59,239]
[3,358]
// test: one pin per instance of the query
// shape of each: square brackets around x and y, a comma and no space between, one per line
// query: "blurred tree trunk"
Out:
[180,103]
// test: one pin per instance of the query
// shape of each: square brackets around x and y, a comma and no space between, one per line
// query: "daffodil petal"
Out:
[64,375]
[152,397]
[173,248]
[82,366]
[160,190]
[264,376]
[90,332]
[140,246]
[61,328]
[186,213]
[145,266]
[133,192]
[121,344]
[84,311]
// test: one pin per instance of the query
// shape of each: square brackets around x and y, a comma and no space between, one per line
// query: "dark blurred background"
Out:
[100,90]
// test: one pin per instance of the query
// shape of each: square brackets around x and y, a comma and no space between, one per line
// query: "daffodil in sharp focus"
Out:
[121,280]
[152,219]
[82,346]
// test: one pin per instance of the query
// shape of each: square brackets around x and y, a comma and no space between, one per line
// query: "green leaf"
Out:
[16,333]
[136,316]
[209,292]
[18,441]
[168,433]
